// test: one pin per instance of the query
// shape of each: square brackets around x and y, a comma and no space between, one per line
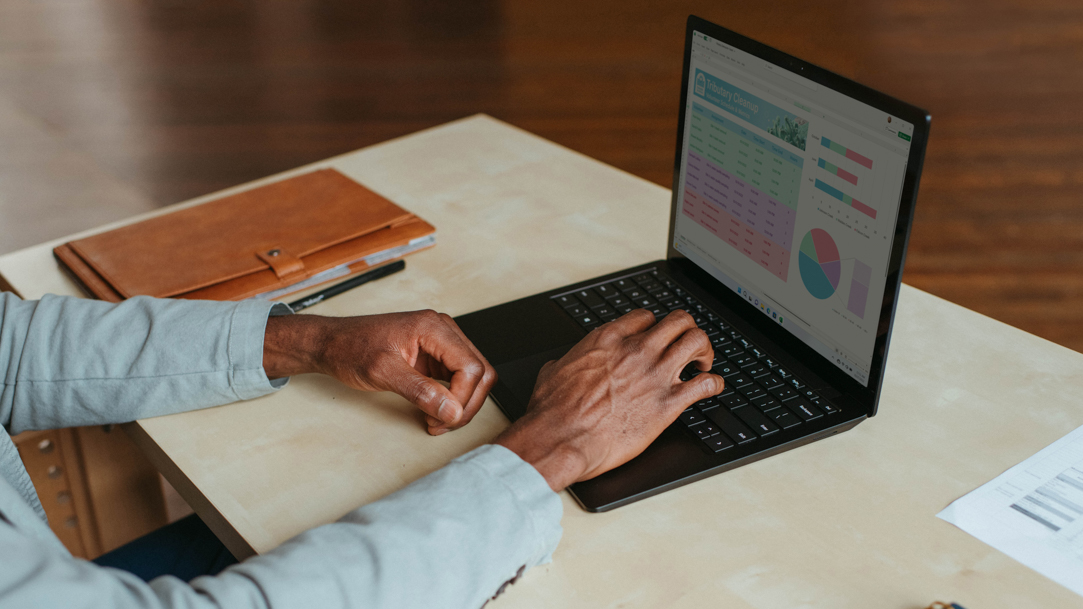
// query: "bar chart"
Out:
[845,198]
[846,152]
[859,163]
[859,289]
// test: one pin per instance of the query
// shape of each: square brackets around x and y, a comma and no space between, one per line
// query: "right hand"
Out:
[606,400]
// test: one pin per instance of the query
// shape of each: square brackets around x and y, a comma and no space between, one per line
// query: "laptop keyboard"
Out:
[761,397]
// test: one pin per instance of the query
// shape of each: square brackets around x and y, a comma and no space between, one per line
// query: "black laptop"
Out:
[793,199]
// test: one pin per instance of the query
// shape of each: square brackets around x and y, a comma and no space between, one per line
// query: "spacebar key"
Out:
[730,425]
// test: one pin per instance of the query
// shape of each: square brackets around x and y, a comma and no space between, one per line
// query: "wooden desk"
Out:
[847,522]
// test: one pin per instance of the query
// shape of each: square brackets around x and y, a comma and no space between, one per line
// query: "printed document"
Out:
[1033,512]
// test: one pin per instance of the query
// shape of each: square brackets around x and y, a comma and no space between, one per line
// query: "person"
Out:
[454,538]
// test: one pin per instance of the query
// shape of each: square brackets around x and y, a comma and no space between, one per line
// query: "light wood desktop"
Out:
[845,522]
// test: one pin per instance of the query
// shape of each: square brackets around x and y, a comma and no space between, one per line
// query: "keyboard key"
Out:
[743,359]
[643,278]
[718,443]
[616,301]
[744,342]
[644,303]
[725,369]
[705,431]
[796,384]
[719,340]
[674,304]
[770,382]
[825,406]
[710,330]
[692,417]
[662,294]
[730,426]
[757,352]
[766,402]
[783,418]
[607,318]
[634,293]
[783,374]
[624,284]
[567,300]
[604,311]
[625,309]
[730,350]
[804,409]
[755,370]
[752,391]
[770,363]
[739,380]
[588,321]
[590,298]
[755,419]
[606,291]
[659,311]
[808,393]
[783,393]
[652,287]
[733,400]
[709,403]
[577,310]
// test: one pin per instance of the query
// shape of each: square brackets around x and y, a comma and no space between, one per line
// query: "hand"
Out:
[611,396]
[402,352]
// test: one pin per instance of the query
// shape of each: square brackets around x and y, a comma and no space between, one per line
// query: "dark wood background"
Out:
[110,106]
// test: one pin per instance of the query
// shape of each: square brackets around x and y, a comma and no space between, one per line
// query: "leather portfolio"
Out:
[265,242]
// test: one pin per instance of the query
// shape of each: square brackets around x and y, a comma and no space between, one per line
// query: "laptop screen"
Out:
[789,195]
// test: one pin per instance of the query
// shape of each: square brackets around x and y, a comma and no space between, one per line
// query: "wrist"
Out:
[558,463]
[293,344]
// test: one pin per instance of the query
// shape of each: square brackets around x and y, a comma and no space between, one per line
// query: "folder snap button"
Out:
[274,253]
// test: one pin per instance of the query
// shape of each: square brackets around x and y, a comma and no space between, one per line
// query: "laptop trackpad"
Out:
[520,375]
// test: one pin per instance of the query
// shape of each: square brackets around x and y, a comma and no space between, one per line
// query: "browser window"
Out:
[789,194]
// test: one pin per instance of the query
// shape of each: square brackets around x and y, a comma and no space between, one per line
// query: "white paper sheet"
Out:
[1033,512]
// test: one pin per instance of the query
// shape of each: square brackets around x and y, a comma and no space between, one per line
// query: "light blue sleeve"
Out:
[448,541]
[69,361]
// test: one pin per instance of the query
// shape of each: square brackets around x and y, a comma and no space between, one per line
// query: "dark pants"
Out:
[185,549]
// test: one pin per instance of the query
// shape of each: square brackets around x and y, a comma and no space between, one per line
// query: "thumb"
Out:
[430,396]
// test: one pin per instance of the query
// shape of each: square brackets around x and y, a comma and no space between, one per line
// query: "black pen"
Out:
[349,284]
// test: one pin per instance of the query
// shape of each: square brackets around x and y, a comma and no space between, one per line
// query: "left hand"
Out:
[402,352]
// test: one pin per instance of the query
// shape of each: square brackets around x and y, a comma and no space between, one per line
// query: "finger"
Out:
[672,326]
[632,322]
[692,346]
[444,342]
[484,385]
[435,427]
[427,394]
[683,395]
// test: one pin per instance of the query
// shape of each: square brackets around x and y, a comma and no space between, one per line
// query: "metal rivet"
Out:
[63,497]
[46,446]
[71,523]
[54,471]
[274,253]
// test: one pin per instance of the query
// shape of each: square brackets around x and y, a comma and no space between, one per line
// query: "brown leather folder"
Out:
[270,241]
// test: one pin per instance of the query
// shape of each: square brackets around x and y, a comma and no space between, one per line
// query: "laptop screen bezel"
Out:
[867,397]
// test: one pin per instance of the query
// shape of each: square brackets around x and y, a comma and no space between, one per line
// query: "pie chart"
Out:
[819,264]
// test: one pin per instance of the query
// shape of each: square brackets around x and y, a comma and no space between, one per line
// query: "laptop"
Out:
[793,199]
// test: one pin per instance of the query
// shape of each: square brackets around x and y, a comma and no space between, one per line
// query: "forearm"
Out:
[70,361]
[449,540]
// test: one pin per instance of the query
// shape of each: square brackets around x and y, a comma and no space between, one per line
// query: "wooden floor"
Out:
[109,107]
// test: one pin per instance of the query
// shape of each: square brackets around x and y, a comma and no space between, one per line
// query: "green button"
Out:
[904,136]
